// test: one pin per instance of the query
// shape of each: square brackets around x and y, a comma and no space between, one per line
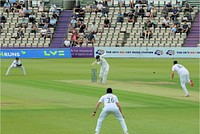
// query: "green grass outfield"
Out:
[58,97]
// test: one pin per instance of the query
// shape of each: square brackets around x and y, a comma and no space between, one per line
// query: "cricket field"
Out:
[58,97]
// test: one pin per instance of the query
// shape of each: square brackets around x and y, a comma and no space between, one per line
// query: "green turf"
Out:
[58,97]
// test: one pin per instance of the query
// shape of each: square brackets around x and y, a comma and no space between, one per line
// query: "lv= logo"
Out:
[54,53]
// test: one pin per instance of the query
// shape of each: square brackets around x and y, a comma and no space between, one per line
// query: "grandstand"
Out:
[117,35]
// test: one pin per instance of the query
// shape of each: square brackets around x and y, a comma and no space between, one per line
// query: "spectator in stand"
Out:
[175,13]
[20,33]
[74,37]
[88,8]
[90,38]
[93,28]
[73,23]
[24,23]
[46,25]
[55,15]
[34,28]
[132,10]
[179,6]
[78,22]
[120,17]
[43,32]
[74,15]
[173,29]
[82,28]
[79,41]
[48,33]
[53,8]
[132,3]
[41,6]
[52,22]
[104,12]
[32,17]
[165,23]
[6,7]
[81,13]
[188,8]
[77,7]
[138,5]
[107,22]
[57,12]
[185,28]
[18,6]
[153,12]
[1,29]
[142,1]
[130,19]
[105,3]
[21,12]
[164,12]
[154,22]
[176,22]
[12,2]
[181,2]
[121,3]
[189,16]
[149,6]
[67,43]
[12,7]
[3,19]
[147,34]
[169,6]
[27,12]
[21,2]
[147,24]
[99,7]
[43,17]
[47,20]
[131,14]
[93,7]
[141,12]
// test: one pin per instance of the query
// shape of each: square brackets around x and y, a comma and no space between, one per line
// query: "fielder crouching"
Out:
[16,64]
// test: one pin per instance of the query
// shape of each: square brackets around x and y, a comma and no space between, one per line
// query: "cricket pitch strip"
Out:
[151,88]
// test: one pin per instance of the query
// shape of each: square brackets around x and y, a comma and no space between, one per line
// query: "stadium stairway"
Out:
[61,29]
[193,37]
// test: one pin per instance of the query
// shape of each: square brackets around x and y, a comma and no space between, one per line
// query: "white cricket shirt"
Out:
[109,101]
[103,63]
[15,63]
[180,69]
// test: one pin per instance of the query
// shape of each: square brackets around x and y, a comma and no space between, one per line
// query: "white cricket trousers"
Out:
[184,79]
[103,74]
[105,112]
[11,67]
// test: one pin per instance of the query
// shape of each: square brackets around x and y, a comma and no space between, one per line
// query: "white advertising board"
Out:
[150,52]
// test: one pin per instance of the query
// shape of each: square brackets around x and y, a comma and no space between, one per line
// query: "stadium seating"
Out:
[30,39]
[118,35]
[128,35]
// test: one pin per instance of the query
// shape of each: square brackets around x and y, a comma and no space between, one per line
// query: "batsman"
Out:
[100,60]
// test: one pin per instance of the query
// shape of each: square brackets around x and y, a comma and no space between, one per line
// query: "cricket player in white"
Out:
[111,106]
[16,64]
[184,76]
[104,67]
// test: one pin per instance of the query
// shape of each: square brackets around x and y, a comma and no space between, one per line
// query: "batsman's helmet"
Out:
[97,57]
